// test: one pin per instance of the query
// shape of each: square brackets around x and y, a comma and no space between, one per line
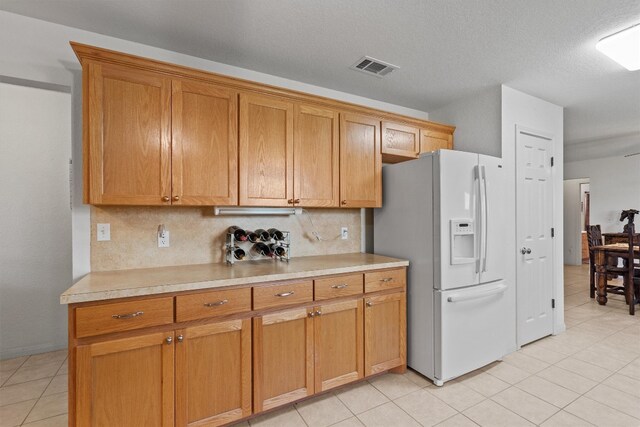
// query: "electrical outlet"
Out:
[103,232]
[344,233]
[163,239]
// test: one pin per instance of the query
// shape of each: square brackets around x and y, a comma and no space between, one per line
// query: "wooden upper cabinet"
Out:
[316,157]
[266,151]
[399,142]
[204,144]
[213,373]
[432,140]
[360,162]
[128,120]
[129,382]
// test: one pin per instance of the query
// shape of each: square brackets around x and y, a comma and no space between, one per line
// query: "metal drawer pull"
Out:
[128,315]
[386,279]
[217,303]
[340,286]
[284,294]
[369,304]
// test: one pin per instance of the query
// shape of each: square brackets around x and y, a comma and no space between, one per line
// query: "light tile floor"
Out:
[589,375]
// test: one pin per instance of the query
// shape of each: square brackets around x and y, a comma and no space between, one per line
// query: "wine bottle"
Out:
[264,235]
[238,233]
[261,249]
[253,237]
[276,234]
[278,250]
[238,253]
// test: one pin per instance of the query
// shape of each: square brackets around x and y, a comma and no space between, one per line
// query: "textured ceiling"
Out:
[446,49]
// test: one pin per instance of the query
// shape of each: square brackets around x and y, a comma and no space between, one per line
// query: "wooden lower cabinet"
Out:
[126,382]
[385,333]
[210,371]
[213,373]
[282,358]
[339,345]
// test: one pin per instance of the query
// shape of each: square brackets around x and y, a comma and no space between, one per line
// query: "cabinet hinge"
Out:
[553,303]
[553,232]
[551,161]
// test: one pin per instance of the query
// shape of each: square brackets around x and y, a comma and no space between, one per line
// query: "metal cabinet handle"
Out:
[165,198]
[296,201]
[180,338]
[340,286]
[369,304]
[523,251]
[284,294]
[386,279]
[528,250]
[344,202]
[128,315]
[176,198]
[290,201]
[311,314]
[169,340]
[217,303]
[318,313]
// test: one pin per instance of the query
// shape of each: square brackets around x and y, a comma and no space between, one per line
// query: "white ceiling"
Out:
[446,49]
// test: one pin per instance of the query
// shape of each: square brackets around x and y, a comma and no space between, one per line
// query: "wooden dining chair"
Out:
[594,238]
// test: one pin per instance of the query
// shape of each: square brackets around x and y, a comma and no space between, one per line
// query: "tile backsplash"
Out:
[197,236]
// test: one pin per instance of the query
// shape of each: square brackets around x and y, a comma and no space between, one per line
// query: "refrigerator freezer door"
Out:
[492,254]
[470,328]
[456,188]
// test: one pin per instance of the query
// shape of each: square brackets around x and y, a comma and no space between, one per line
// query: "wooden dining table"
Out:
[610,238]
[601,254]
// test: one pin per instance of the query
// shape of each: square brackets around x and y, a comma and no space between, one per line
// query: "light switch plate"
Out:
[344,233]
[103,232]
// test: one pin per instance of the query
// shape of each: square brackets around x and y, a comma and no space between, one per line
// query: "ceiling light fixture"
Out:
[623,47]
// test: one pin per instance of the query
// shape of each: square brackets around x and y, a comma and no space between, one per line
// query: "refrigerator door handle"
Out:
[477,295]
[479,221]
[485,220]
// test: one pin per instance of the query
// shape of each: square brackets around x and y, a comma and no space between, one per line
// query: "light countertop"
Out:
[107,285]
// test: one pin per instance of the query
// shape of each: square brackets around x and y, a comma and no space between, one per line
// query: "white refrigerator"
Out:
[444,213]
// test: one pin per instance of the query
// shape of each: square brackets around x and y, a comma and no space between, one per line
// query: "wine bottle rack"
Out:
[232,243]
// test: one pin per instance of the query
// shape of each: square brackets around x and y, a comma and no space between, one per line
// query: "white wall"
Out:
[477,119]
[614,185]
[520,109]
[35,254]
[573,221]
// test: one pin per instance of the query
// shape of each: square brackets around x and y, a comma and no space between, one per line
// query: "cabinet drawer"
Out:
[339,286]
[123,316]
[212,304]
[381,280]
[282,295]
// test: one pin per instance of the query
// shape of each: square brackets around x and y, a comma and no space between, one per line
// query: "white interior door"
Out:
[534,198]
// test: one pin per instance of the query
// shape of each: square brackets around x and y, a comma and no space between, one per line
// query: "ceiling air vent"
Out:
[373,66]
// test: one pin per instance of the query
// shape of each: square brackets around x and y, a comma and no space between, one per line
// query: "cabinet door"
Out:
[204,165]
[432,140]
[282,358]
[316,157]
[339,344]
[360,162]
[266,151]
[399,142]
[213,373]
[385,326]
[129,130]
[126,382]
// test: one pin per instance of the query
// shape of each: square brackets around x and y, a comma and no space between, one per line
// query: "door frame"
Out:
[554,292]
